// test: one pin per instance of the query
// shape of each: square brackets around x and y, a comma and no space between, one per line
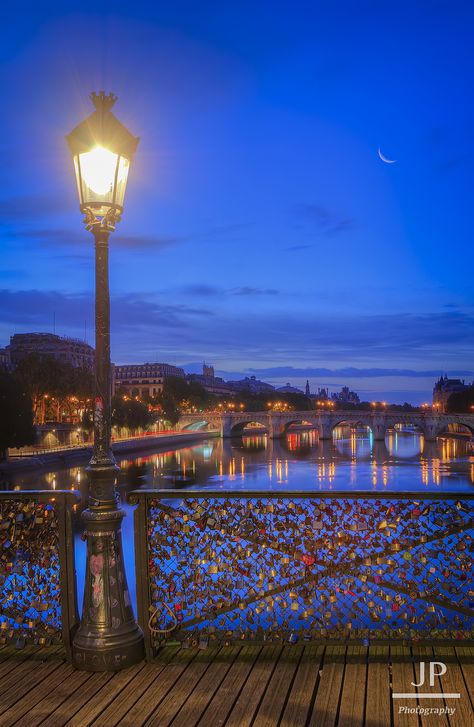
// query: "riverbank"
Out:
[80,455]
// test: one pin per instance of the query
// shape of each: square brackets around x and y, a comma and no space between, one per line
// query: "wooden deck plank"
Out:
[164,714]
[223,700]
[352,707]
[464,654]
[356,654]
[379,653]
[9,655]
[32,675]
[124,701]
[101,699]
[401,654]
[158,689]
[426,654]
[326,704]
[403,674]
[69,706]
[300,699]
[33,696]
[237,686]
[453,682]
[247,702]
[468,674]
[51,701]
[192,710]
[336,653]
[379,697]
[17,658]
[278,687]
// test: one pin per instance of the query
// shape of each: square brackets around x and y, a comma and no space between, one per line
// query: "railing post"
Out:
[141,568]
[69,611]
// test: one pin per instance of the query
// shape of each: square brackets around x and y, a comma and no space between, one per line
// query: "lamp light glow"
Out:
[98,168]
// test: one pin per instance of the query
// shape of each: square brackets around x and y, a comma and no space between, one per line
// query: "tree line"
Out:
[43,389]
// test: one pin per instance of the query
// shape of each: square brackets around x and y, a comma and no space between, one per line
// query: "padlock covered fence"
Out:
[38,602]
[216,566]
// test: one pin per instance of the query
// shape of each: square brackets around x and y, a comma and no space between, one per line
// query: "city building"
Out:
[210,382]
[288,389]
[322,394]
[346,396]
[443,389]
[251,385]
[144,379]
[67,350]
[4,359]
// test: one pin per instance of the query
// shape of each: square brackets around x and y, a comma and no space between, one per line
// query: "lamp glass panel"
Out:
[122,175]
[78,178]
[98,168]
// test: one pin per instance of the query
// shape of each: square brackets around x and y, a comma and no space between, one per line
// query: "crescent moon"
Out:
[386,159]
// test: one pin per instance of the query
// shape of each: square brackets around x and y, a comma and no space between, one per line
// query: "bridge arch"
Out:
[456,427]
[238,429]
[282,427]
[352,446]
[353,423]
[197,426]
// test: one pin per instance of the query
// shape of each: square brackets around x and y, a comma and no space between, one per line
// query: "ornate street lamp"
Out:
[108,637]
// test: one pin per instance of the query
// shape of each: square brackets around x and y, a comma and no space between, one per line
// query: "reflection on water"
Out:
[351,461]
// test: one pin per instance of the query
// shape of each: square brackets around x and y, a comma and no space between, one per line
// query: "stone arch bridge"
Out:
[276,424]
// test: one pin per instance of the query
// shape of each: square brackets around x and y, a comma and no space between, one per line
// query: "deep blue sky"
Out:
[261,230]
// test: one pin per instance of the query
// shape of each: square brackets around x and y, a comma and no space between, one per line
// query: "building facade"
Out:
[67,350]
[144,379]
[4,359]
[251,384]
[443,389]
[210,382]
[346,396]
[289,389]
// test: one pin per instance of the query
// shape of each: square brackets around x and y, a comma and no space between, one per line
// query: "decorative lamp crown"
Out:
[102,149]
[102,102]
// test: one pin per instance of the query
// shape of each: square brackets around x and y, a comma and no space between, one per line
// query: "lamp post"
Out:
[108,637]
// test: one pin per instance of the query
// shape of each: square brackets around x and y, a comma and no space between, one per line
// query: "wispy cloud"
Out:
[24,208]
[325,220]
[56,237]
[351,372]
[204,291]
[295,248]
[248,290]
[268,342]
[135,311]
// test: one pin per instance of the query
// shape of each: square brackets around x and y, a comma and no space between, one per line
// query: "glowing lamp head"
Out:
[102,149]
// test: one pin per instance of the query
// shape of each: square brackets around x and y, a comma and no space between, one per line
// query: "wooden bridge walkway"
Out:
[236,686]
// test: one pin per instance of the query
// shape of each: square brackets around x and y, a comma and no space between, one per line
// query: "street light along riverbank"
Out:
[108,637]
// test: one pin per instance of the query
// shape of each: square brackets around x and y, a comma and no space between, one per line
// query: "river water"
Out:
[351,461]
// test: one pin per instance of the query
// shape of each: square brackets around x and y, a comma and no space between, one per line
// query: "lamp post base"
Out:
[108,653]
[108,638]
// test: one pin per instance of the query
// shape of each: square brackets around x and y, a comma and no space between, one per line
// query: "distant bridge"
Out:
[277,424]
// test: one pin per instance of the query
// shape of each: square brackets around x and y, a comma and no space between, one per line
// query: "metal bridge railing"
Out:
[38,601]
[334,567]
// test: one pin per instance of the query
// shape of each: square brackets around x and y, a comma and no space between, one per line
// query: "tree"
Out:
[462,401]
[178,394]
[16,415]
[55,386]
[130,413]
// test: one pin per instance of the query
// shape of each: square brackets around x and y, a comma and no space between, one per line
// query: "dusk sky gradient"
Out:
[261,233]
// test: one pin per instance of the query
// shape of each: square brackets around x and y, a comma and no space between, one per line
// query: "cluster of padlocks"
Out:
[30,599]
[310,568]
